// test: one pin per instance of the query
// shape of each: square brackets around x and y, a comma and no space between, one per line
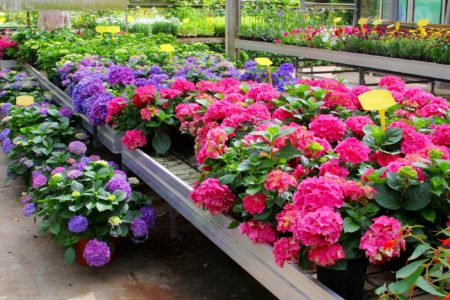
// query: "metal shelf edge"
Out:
[286,283]
[397,65]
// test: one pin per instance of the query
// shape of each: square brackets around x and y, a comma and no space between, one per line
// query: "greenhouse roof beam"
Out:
[29,5]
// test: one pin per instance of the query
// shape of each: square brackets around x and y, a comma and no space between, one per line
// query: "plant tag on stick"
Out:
[377,100]
[167,48]
[25,100]
[265,62]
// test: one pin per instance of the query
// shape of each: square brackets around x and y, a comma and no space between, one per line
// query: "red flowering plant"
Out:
[312,174]
[5,44]
[149,113]
[427,269]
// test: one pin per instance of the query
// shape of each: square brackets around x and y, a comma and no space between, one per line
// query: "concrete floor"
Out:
[32,265]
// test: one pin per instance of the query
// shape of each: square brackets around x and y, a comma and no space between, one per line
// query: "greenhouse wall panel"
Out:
[17,5]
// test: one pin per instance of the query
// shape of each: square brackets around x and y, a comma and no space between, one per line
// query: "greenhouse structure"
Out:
[225,149]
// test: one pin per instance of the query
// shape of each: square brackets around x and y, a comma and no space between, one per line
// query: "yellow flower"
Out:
[114,221]
[112,198]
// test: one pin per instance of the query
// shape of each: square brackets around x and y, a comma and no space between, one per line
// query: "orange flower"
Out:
[445,242]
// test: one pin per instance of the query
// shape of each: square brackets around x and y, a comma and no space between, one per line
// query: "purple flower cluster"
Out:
[77,148]
[139,228]
[84,94]
[26,198]
[4,109]
[39,181]
[66,112]
[97,253]
[120,75]
[58,170]
[99,110]
[29,209]
[74,174]
[119,182]
[7,143]
[285,75]
[149,215]
[77,224]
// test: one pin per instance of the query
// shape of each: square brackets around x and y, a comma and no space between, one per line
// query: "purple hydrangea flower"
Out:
[149,215]
[7,145]
[77,224]
[99,111]
[77,148]
[96,253]
[85,160]
[95,158]
[118,182]
[120,75]
[4,110]
[74,174]
[43,111]
[28,209]
[85,91]
[139,228]
[66,112]
[4,134]
[121,173]
[58,170]
[78,166]
[39,181]
[113,164]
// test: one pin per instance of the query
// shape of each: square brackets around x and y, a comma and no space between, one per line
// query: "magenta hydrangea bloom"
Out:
[39,181]
[58,170]
[97,253]
[118,182]
[66,112]
[77,224]
[352,150]
[28,209]
[77,148]
[120,75]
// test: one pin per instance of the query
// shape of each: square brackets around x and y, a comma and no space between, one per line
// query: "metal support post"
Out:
[232,27]
[362,80]
[174,235]
[126,20]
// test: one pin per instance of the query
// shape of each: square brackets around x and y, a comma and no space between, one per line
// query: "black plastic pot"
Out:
[349,283]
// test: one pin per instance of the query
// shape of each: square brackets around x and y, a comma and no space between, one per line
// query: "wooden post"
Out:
[126,20]
[232,27]
[28,19]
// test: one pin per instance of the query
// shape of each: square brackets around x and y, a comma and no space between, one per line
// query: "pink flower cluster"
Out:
[384,240]
[216,197]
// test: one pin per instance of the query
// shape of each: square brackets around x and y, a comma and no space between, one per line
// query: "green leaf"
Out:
[427,287]
[69,255]
[349,225]
[77,187]
[393,136]
[161,142]
[409,269]
[55,229]
[387,197]
[103,206]
[417,197]
[233,224]
[429,215]
[421,249]
[402,286]
[288,152]
[226,179]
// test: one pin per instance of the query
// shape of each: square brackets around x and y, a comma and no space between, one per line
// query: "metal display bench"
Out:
[173,179]
[362,62]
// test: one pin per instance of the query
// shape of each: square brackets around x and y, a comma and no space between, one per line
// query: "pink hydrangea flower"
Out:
[214,146]
[287,218]
[356,191]
[394,166]
[352,150]
[388,81]
[441,135]
[332,167]
[328,127]
[299,172]
[133,139]
[414,142]
[320,227]
[384,240]
[169,93]
[282,114]
[286,250]
[216,197]
[258,232]
[183,85]
[254,204]
[436,107]
[356,124]
[144,96]
[315,192]
[383,159]
[279,181]
[326,255]
[263,92]
[407,129]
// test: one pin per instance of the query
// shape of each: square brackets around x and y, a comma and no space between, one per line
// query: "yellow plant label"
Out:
[166,48]
[423,22]
[24,100]
[130,19]
[337,20]
[397,26]
[2,20]
[100,29]
[376,100]
[263,61]
[109,29]
[363,21]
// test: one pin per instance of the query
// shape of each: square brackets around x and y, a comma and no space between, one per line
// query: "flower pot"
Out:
[348,283]
[81,244]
